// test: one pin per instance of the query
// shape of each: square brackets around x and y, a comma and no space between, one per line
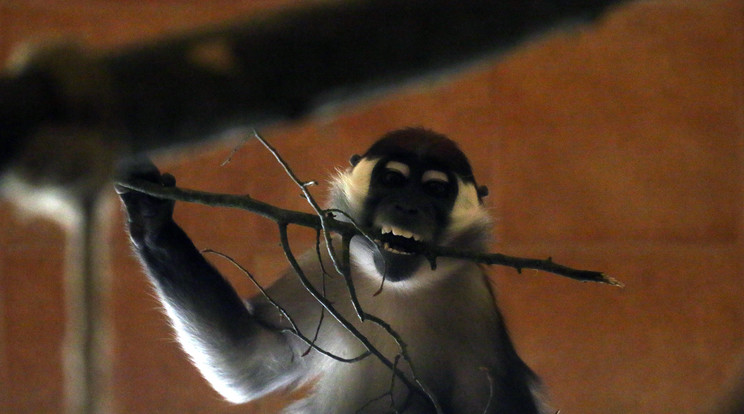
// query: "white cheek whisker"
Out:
[349,188]
[467,212]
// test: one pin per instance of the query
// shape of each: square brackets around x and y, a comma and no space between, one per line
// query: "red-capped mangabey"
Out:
[412,186]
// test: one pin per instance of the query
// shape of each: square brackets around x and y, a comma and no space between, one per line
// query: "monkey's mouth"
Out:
[400,241]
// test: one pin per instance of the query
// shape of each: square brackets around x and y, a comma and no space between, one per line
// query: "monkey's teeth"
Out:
[402,233]
[397,231]
[396,251]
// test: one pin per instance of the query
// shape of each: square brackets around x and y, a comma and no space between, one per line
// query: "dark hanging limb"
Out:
[274,67]
[87,372]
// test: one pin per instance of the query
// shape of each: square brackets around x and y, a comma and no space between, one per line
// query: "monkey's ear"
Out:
[354,160]
[482,191]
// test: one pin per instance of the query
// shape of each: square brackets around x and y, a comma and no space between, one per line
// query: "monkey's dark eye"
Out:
[436,188]
[395,174]
[436,183]
[392,178]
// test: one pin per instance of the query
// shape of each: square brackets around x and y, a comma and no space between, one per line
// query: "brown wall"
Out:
[617,146]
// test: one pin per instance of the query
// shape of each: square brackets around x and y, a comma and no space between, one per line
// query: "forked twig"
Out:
[343,266]
[389,393]
[295,330]
[415,386]
[323,275]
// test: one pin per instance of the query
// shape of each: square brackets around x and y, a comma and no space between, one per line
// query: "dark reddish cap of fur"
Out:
[426,145]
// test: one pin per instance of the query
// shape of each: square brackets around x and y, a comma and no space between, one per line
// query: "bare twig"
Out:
[490,389]
[341,266]
[306,193]
[284,239]
[243,139]
[295,329]
[519,263]
[344,268]
[389,393]
[243,202]
[364,233]
[323,275]
[310,220]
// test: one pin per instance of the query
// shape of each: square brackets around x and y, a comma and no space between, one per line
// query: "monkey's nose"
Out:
[411,211]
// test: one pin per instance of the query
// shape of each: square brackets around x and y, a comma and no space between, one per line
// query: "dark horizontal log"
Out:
[274,67]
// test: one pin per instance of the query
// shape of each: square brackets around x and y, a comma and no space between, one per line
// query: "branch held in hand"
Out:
[278,214]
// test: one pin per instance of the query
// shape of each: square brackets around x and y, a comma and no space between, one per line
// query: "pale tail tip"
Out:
[612,281]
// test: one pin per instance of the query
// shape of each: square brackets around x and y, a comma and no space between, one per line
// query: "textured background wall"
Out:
[617,146]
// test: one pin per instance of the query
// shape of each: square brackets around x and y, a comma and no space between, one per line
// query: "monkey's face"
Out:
[408,202]
[407,195]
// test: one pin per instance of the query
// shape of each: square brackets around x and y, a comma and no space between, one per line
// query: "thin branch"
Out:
[490,389]
[519,263]
[388,393]
[284,239]
[295,329]
[243,202]
[340,266]
[364,233]
[392,385]
[323,275]
[344,268]
[243,139]
[312,221]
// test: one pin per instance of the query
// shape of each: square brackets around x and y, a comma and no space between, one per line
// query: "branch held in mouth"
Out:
[331,224]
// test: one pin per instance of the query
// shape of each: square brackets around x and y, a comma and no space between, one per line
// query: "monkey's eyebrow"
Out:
[399,167]
[436,175]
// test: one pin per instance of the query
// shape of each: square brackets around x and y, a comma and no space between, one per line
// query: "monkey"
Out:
[413,186]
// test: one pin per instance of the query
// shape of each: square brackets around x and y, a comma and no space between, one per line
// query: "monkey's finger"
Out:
[141,168]
[167,180]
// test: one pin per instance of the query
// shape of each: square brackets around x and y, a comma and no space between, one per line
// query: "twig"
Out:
[243,202]
[364,233]
[344,268]
[341,266]
[519,263]
[312,221]
[490,389]
[295,329]
[284,239]
[323,275]
[243,139]
[389,392]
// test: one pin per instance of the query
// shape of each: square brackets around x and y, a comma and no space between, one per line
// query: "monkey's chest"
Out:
[404,356]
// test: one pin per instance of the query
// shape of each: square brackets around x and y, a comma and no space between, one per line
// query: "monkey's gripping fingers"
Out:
[147,215]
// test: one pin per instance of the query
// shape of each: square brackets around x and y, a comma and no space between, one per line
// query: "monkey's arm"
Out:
[239,355]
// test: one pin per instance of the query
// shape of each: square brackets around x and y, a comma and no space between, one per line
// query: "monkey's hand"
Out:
[147,215]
